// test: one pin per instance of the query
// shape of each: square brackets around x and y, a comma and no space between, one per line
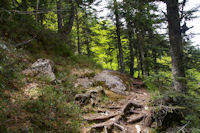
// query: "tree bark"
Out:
[36,9]
[142,57]
[176,46]
[59,15]
[130,36]
[69,25]
[78,33]
[121,59]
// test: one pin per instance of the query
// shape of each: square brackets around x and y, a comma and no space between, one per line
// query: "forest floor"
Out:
[106,101]
[108,111]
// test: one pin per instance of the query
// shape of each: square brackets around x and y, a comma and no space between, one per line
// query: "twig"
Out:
[183,127]
[24,42]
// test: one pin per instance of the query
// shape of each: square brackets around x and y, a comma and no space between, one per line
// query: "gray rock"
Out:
[84,83]
[114,83]
[42,67]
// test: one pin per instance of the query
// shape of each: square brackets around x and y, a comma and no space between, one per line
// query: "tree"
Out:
[176,45]
[117,23]
[129,20]
[59,15]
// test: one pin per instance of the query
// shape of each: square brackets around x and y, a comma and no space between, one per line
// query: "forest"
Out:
[66,68]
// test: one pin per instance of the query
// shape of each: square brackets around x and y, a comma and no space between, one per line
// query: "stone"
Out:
[42,67]
[114,83]
[84,83]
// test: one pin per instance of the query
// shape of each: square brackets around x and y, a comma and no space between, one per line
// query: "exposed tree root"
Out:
[129,115]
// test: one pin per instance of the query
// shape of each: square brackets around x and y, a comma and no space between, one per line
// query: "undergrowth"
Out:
[175,111]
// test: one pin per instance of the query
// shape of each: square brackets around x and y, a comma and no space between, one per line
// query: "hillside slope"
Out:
[36,103]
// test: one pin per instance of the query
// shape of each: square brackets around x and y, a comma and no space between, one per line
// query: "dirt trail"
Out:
[130,114]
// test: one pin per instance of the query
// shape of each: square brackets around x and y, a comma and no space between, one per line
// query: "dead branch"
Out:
[24,42]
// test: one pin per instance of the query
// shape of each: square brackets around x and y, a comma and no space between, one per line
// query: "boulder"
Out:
[42,67]
[113,82]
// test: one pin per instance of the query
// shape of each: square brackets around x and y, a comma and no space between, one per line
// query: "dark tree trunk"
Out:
[36,11]
[68,26]
[138,64]
[155,61]
[24,5]
[130,36]
[142,56]
[59,15]
[121,59]
[78,33]
[176,45]
[87,33]
[88,47]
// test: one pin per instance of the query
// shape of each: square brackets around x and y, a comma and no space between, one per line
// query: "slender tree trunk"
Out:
[59,15]
[130,35]
[87,33]
[142,57]
[155,61]
[88,47]
[131,49]
[36,14]
[176,46]
[78,33]
[121,58]
[138,64]
[24,5]
[68,26]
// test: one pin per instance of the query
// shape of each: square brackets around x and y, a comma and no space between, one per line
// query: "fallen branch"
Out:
[24,42]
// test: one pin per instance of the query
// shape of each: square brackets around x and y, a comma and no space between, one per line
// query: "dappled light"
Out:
[93,66]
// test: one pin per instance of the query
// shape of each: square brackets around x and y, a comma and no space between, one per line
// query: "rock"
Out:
[84,82]
[3,46]
[42,67]
[114,83]
[89,96]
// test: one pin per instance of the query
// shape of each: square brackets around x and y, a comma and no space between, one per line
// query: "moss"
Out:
[127,81]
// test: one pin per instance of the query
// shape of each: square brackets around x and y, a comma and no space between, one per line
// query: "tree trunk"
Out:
[24,5]
[176,46]
[121,59]
[130,36]
[78,33]
[155,61]
[68,26]
[36,13]
[59,15]
[142,57]
[87,33]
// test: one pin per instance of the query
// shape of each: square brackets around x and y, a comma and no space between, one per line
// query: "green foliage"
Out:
[50,41]
[186,105]
[85,61]
[161,81]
